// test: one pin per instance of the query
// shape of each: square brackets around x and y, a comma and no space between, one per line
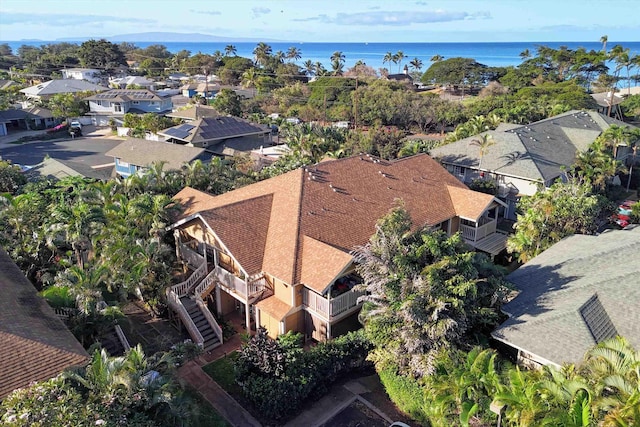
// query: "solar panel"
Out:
[597,319]
[177,133]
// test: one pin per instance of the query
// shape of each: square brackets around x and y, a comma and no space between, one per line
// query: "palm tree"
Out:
[524,404]
[79,223]
[483,142]
[230,50]
[388,57]
[338,56]
[604,40]
[293,53]
[279,57]
[309,68]
[319,69]
[525,54]
[261,53]
[399,56]
[416,64]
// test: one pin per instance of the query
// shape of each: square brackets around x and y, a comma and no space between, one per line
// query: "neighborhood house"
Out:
[279,251]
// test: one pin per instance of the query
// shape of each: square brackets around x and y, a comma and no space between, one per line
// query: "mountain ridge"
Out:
[170,37]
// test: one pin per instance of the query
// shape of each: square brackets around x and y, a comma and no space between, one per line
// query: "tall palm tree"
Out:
[388,57]
[262,53]
[604,39]
[399,56]
[293,53]
[230,50]
[338,56]
[279,57]
[319,69]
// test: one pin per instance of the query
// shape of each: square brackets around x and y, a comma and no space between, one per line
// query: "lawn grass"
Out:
[206,416]
[221,371]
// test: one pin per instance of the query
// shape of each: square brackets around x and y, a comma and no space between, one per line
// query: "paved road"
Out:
[86,150]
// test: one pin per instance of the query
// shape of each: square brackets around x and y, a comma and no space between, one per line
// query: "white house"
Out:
[118,102]
[89,74]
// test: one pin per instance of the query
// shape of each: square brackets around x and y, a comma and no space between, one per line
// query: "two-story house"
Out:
[279,251]
[523,158]
[118,102]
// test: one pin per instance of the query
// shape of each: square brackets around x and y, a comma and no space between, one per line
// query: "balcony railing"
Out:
[475,234]
[237,285]
[333,307]
[190,256]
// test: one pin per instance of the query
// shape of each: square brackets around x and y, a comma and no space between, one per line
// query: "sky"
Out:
[328,20]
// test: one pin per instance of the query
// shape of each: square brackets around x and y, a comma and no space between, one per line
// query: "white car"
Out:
[75,124]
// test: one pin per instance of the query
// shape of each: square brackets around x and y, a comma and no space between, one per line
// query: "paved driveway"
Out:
[87,150]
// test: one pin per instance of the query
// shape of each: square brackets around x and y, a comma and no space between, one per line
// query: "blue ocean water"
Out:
[372,54]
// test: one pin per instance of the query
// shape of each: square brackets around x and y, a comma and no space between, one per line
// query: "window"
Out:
[123,163]
[456,170]
[135,102]
[117,108]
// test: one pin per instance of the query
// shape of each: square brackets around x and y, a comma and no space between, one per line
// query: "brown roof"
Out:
[275,307]
[469,204]
[195,112]
[317,215]
[321,264]
[36,345]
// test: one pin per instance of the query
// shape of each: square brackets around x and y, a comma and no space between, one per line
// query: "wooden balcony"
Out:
[238,286]
[331,308]
[484,237]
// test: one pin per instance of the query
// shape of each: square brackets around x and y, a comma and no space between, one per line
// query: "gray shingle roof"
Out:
[141,152]
[53,87]
[536,151]
[554,315]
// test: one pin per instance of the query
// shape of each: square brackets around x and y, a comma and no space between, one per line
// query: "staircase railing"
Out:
[180,309]
[183,288]
[122,338]
[207,315]
[205,283]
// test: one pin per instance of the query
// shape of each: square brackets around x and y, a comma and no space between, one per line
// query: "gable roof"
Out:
[195,112]
[25,113]
[142,152]
[537,151]
[213,129]
[53,87]
[60,169]
[581,290]
[322,212]
[125,95]
[36,345]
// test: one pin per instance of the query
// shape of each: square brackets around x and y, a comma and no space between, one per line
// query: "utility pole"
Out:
[355,103]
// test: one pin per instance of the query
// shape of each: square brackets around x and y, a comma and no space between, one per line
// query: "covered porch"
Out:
[484,234]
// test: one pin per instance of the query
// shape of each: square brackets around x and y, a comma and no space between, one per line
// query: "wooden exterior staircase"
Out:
[186,300]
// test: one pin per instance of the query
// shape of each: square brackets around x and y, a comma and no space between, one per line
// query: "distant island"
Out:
[169,37]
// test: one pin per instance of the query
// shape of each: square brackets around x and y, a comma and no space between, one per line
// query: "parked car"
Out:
[75,124]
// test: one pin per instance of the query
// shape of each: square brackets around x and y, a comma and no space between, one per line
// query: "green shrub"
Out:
[488,186]
[406,392]
[277,376]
